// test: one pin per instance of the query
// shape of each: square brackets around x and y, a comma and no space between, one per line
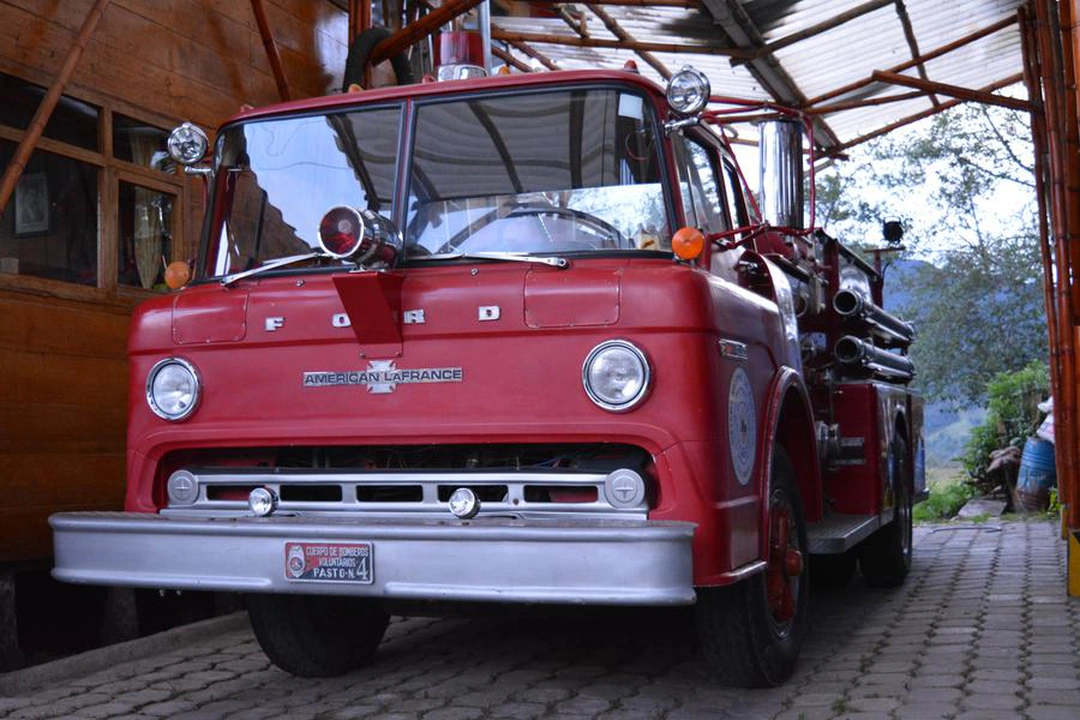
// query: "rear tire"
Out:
[751,632]
[317,636]
[885,559]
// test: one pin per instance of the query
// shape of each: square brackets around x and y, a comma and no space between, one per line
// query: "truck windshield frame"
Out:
[554,170]
[587,188]
[276,177]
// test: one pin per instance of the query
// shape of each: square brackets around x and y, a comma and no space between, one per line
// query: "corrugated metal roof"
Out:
[872,37]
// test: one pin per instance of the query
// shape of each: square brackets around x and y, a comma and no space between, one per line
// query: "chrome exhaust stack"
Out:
[851,305]
[782,173]
[854,353]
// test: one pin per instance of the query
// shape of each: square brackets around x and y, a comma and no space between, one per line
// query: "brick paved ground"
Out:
[981,630]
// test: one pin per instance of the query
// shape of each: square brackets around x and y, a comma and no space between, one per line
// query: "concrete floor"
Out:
[982,629]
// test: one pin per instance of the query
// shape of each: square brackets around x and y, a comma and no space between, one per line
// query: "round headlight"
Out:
[187,144]
[616,375]
[688,91]
[172,389]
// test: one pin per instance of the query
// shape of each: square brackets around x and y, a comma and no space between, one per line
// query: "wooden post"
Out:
[48,104]
[271,49]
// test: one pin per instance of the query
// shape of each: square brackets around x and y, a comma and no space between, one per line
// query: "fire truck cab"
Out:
[520,339]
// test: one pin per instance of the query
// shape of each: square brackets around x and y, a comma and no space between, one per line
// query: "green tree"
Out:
[963,185]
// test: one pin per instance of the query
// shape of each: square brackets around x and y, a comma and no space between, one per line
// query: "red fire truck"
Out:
[518,339]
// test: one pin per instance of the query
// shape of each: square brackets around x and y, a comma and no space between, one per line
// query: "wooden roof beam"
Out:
[270,46]
[688,4]
[943,50]
[913,43]
[530,51]
[962,93]
[825,25]
[863,102]
[509,59]
[617,30]
[1004,82]
[416,31]
[636,46]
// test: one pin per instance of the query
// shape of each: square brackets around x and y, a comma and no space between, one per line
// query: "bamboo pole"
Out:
[929,86]
[1065,404]
[270,46]
[1072,241]
[413,32]
[41,118]
[1029,43]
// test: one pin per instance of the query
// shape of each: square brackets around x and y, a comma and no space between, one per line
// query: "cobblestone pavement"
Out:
[982,629]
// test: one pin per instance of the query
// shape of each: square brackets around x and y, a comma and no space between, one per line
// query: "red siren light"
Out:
[341,231]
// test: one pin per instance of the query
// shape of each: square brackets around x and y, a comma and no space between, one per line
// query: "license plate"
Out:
[330,562]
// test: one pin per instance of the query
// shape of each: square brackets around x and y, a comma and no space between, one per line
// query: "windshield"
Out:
[545,172]
[279,177]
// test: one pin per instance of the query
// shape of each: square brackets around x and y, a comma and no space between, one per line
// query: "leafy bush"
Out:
[944,502]
[1012,416]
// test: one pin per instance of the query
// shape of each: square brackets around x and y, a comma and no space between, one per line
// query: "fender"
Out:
[787,390]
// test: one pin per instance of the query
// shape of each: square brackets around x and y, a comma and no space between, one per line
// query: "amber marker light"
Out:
[687,243]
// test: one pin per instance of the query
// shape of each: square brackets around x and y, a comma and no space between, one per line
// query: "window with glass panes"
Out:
[98,203]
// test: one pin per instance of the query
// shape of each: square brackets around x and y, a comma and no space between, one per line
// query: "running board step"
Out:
[836,534]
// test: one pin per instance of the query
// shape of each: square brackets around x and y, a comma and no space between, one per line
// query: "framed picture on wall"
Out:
[32,212]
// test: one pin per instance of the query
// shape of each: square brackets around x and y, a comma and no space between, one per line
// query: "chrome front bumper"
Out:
[490,559]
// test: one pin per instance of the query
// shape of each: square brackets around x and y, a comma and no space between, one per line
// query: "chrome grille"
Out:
[223,493]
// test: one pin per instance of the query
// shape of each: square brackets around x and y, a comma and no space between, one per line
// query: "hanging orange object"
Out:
[687,243]
[177,274]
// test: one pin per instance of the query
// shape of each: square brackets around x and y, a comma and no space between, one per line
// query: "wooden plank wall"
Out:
[197,60]
[63,376]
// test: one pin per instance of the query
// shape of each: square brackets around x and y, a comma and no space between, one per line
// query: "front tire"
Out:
[885,559]
[751,632]
[317,636]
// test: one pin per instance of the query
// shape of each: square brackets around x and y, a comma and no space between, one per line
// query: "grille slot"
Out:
[485,493]
[389,493]
[310,493]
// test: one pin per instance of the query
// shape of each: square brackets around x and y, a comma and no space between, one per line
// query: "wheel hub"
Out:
[785,563]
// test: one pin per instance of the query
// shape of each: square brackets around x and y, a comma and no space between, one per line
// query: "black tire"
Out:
[885,558]
[317,636]
[745,637]
[832,571]
[360,53]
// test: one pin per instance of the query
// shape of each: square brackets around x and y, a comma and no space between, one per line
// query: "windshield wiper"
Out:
[272,265]
[557,262]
